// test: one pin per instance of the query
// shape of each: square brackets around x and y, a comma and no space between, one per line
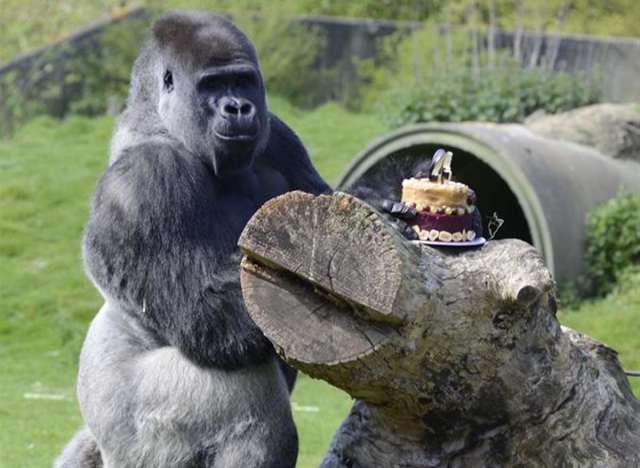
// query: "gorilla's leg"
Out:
[81,452]
[244,452]
[290,374]
[150,406]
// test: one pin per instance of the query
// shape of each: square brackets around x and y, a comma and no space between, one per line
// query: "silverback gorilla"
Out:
[173,373]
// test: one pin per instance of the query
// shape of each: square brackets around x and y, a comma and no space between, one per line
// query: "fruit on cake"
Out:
[446,210]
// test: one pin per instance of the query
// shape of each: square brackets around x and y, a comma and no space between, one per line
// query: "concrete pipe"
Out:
[542,188]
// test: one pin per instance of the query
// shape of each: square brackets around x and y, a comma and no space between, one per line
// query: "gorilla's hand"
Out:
[397,213]
[236,340]
[399,210]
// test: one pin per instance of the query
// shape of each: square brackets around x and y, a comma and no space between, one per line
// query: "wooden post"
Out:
[455,356]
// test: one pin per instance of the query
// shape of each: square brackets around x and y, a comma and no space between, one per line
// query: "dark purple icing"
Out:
[477,222]
[450,223]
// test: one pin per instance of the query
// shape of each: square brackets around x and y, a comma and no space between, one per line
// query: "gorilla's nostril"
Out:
[230,109]
[246,109]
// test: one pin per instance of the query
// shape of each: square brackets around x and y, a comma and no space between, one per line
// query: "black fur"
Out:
[194,155]
[162,235]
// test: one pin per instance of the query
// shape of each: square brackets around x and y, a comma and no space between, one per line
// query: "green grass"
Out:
[614,320]
[47,174]
[332,136]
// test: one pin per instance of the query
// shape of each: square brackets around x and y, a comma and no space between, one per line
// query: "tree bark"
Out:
[455,356]
[491,37]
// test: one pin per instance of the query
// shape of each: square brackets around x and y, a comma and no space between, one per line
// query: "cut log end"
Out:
[309,325]
[335,242]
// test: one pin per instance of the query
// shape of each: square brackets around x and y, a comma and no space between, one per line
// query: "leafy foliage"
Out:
[91,76]
[289,58]
[27,24]
[613,241]
[384,9]
[86,77]
[101,76]
[441,73]
[504,94]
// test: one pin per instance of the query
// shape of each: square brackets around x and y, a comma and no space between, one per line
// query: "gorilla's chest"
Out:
[239,197]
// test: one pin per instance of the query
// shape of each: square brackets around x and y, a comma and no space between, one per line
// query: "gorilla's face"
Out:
[212,97]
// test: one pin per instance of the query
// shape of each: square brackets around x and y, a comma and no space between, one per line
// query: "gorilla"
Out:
[173,372]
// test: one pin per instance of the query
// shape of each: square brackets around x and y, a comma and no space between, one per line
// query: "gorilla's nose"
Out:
[232,108]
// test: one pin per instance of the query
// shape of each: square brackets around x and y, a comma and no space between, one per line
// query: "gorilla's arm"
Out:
[290,158]
[286,153]
[153,244]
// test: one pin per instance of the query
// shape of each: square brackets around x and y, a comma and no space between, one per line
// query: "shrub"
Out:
[101,76]
[435,73]
[508,93]
[85,77]
[613,242]
[91,76]
[289,55]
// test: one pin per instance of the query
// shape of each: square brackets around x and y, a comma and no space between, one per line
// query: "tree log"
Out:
[454,356]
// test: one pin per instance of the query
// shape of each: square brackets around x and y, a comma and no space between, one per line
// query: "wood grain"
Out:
[455,356]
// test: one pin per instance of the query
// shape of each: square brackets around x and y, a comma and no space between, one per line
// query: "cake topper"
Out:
[494,224]
[440,166]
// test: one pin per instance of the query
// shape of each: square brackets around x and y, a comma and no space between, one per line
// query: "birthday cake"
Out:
[446,210]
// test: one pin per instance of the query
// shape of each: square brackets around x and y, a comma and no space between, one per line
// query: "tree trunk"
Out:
[455,356]
[491,37]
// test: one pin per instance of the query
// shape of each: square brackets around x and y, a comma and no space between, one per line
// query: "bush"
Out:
[508,93]
[289,55]
[613,242]
[85,77]
[435,73]
[91,76]
[101,76]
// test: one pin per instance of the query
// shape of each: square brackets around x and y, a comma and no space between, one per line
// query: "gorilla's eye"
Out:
[168,81]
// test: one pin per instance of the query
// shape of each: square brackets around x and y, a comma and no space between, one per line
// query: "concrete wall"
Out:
[618,59]
[351,39]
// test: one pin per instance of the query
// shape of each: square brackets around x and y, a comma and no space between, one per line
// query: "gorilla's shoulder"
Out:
[282,134]
[153,171]
[287,153]
[155,159]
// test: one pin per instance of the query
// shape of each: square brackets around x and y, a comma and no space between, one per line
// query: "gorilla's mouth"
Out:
[235,136]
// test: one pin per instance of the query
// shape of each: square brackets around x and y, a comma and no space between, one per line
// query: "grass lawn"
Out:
[47,174]
[615,321]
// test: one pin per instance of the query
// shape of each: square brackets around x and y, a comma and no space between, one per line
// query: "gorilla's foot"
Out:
[81,452]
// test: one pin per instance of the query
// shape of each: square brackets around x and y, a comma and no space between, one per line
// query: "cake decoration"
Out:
[446,210]
[494,224]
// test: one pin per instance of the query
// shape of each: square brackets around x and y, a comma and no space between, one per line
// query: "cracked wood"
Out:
[455,356]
